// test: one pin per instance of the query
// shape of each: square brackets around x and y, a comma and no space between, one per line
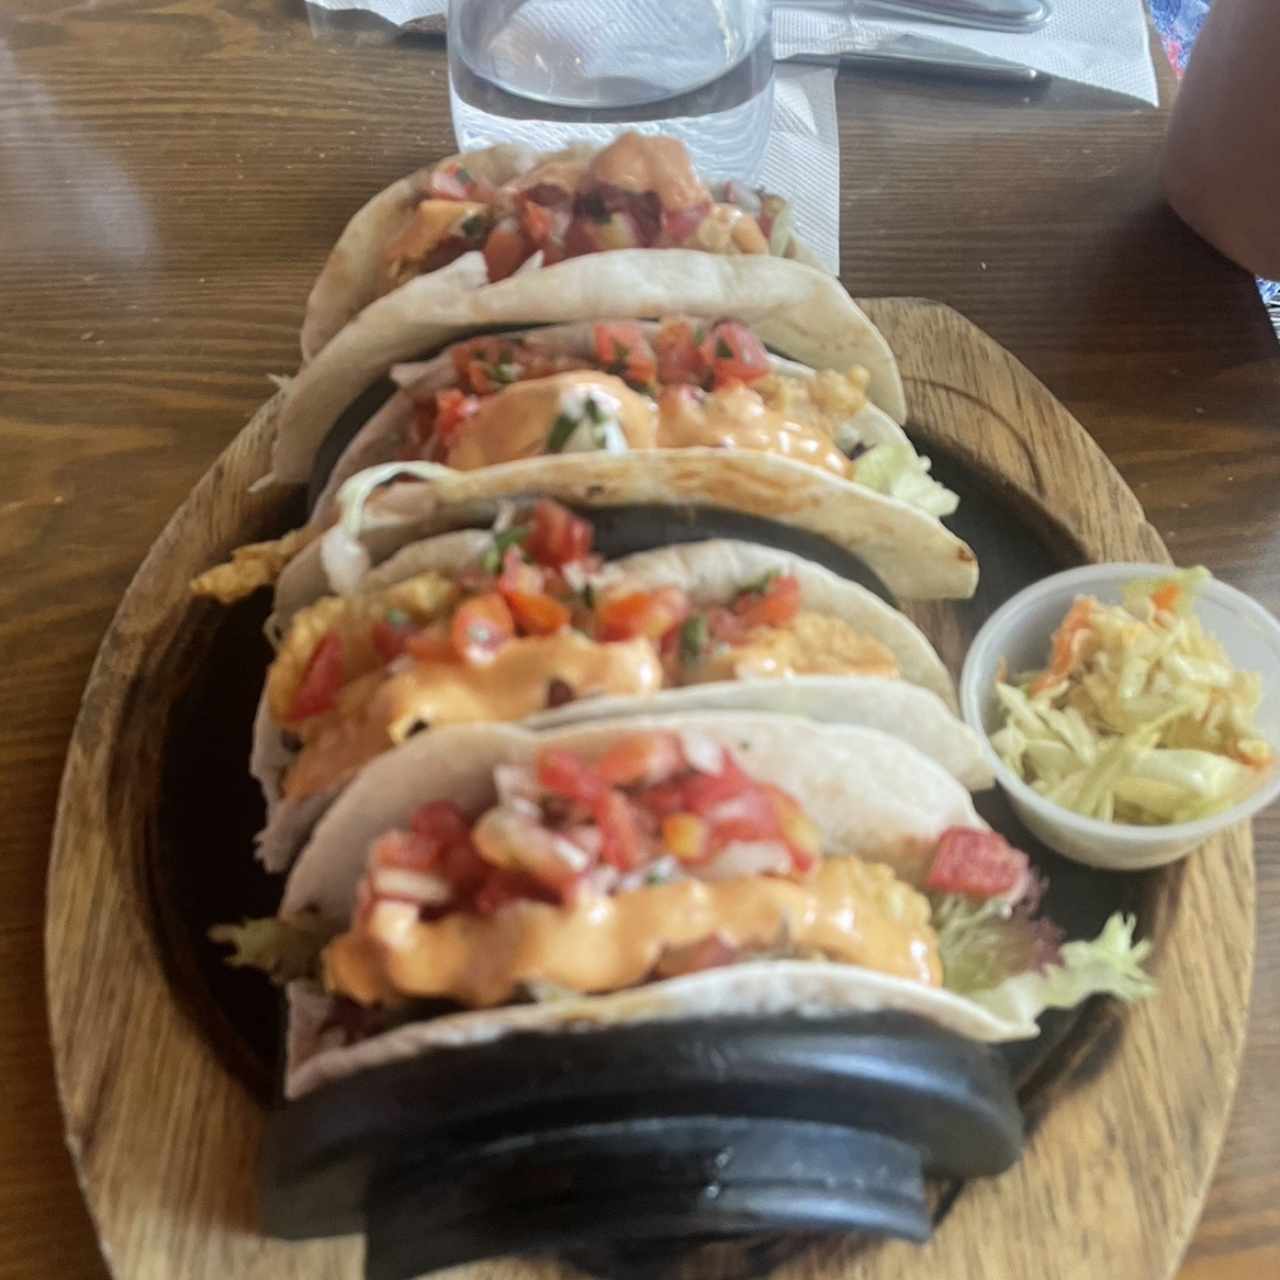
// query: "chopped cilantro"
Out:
[463,174]
[595,410]
[561,429]
[473,227]
[723,350]
[512,537]
[397,618]
[693,638]
[589,596]
[505,372]
[761,585]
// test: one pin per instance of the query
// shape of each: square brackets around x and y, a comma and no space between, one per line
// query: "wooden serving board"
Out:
[1125,1120]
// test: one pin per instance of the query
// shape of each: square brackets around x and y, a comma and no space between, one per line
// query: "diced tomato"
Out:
[978,864]
[481,626]
[775,606]
[725,626]
[432,643]
[798,830]
[558,537]
[463,867]
[545,227]
[537,220]
[664,800]
[578,240]
[734,354]
[537,614]
[679,224]
[486,350]
[519,576]
[706,791]
[404,850]
[623,846]
[678,353]
[441,820]
[569,776]
[623,349]
[453,408]
[650,614]
[454,181]
[324,676]
[391,635]
[480,378]
[749,816]
[641,759]
[500,887]
[505,249]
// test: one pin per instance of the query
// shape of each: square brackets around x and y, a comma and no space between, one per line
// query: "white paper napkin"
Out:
[1103,43]
[1098,42]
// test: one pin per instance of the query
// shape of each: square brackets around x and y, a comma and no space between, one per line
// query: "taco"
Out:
[528,623]
[486,880]
[522,207]
[613,386]
[795,310]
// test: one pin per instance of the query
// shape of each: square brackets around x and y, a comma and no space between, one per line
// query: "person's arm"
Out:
[1222,161]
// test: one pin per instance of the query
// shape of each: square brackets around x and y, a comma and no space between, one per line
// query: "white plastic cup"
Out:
[1020,632]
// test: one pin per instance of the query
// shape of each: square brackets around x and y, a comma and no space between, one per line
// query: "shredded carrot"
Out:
[1167,597]
[1066,644]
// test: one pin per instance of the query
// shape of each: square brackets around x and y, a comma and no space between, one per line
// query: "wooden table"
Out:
[171,174]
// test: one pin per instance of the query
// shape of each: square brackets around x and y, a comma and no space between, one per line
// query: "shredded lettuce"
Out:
[1112,964]
[899,471]
[983,942]
[284,949]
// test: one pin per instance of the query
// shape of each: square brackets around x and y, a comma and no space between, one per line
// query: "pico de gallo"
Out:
[662,856]
[536,622]
[638,192]
[679,383]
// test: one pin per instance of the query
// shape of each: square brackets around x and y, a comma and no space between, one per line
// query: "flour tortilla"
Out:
[386,507]
[796,310]
[385,436]
[918,708]
[351,278]
[870,795]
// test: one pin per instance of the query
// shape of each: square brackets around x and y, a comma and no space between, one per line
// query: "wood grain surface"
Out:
[172,173]
[165,1141]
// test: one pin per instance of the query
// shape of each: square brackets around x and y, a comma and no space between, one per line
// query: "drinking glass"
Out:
[547,72]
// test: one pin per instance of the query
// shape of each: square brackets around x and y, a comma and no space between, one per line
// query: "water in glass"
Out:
[544,72]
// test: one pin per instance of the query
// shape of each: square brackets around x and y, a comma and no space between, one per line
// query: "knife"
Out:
[922,56]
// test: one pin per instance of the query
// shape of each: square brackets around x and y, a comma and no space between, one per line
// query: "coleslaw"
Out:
[1139,716]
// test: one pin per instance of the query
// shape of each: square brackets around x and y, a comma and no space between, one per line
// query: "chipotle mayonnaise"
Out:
[525,419]
[636,164]
[737,418]
[526,675]
[847,911]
